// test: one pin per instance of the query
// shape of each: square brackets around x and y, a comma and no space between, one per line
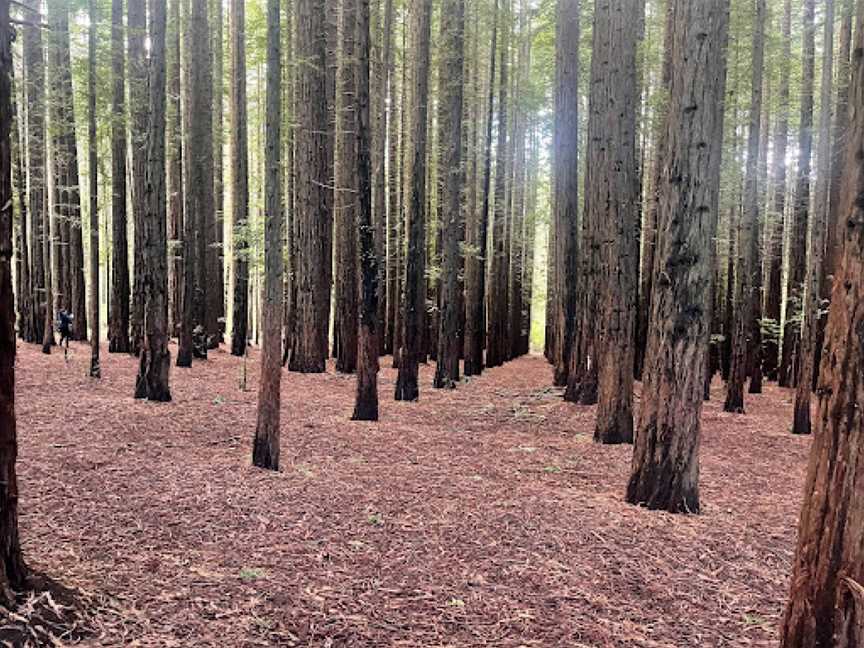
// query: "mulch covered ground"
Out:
[483,516]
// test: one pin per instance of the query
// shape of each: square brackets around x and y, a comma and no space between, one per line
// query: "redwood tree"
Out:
[155,365]
[450,168]
[826,598]
[414,303]
[366,402]
[612,204]
[14,571]
[136,33]
[311,284]
[665,471]
[95,369]
[265,452]
[240,163]
[566,203]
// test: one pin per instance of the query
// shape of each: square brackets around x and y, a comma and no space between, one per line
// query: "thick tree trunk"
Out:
[747,234]
[414,304]
[813,285]
[198,203]
[475,265]
[450,168]
[138,102]
[825,602]
[311,222]
[14,573]
[155,366]
[665,472]
[239,157]
[345,239]
[649,226]
[393,176]
[366,402]
[790,358]
[613,204]
[566,207]
[95,368]
[265,452]
[118,304]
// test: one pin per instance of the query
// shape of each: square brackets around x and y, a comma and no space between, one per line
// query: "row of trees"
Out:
[455,245]
[595,340]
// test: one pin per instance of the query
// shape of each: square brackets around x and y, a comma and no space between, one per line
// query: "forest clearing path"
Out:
[482,516]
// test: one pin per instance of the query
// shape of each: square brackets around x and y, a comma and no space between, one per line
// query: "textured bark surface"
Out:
[566,214]
[198,207]
[665,471]
[825,601]
[265,451]
[24,286]
[475,264]
[14,572]
[155,365]
[366,400]
[345,225]
[118,303]
[239,158]
[747,230]
[612,202]
[451,179]
[174,147]
[311,221]
[790,356]
[136,69]
[414,304]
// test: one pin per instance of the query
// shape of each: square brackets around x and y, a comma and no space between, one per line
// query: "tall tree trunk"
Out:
[773,290]
[825,601]
[239,159]
[649,227]
[118,304]
[311,222]
[613,204]
[216,253]
[475,266]
[790,358]
[566,205]
[136,26]
[14,573]
[450,92]
[346,197]
[95,368]
[665,470]
[496,326]
[155,366]
[813,285]
[382,117]
[174,145]
[199,206]
[747,237]
[393,111]
[366,402]
[265,452]
[414,303]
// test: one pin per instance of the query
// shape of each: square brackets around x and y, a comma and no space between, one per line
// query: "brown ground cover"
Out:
[483,516]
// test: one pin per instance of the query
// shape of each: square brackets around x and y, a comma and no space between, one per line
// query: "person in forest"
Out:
[64,327]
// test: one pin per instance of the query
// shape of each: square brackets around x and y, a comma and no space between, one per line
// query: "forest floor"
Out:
[483,516]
